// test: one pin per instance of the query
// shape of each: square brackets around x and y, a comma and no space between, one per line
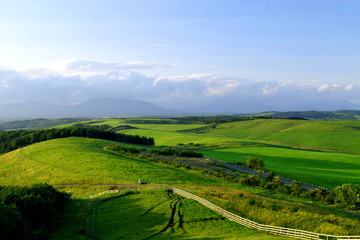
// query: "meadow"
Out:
[333,146]
[77,165]
[145,214]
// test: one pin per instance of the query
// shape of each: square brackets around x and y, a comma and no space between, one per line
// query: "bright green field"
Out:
[332,135]
[318,168]
[145,216]
[327,169]
[83,161]
[173,138]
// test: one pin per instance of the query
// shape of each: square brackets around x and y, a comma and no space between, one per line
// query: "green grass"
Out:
[272,211]
[145,215]
[331,135]
[314,167]
[174,138]
[317,168]
[83,161]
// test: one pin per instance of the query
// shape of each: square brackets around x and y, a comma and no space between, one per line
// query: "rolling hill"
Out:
[79,164]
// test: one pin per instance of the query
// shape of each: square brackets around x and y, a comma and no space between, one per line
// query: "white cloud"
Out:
[67,82]
[348,87]
[323,88]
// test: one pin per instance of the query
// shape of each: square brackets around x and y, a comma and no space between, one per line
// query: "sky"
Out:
[205,55]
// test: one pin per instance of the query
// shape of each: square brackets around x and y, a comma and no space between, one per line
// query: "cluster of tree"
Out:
[167,151]
[104,127]
[196,119]
[28,212]
[324,115]
[11,140]
[40,123]
[152,155]
[219,118]
[124,149]
[255,163]
[84,125]
[346,196]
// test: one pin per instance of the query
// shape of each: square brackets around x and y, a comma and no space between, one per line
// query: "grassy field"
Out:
[328,167]
[83,161]
[328,135]
[146,214]
[318,168]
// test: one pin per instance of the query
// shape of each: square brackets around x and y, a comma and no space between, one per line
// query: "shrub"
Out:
[255,163]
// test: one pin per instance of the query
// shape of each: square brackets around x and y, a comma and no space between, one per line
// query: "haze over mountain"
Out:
[100,107]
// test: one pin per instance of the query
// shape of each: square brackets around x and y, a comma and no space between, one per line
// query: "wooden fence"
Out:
[288,232]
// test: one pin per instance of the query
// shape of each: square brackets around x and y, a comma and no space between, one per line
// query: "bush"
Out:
[255,163]
[37,205]
[12,225]
[250,180]
[347,196]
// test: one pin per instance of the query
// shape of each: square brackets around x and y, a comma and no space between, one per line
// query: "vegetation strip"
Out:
[289,232]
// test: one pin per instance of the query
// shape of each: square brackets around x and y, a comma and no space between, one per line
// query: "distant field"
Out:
[83,160]
[331,135]
[318,168]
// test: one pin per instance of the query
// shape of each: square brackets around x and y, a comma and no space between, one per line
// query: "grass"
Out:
[279,212]
[146,215]
[339,136]
[83,161]
[317,168]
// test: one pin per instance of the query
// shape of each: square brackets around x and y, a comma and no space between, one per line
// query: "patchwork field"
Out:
[321,153]
[335,145]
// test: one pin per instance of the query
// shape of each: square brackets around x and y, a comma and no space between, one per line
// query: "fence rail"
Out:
[288,232]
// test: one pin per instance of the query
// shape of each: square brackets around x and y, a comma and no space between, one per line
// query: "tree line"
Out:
[27,212]
[11,140]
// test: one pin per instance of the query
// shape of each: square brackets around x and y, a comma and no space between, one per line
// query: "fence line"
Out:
[283,231]
[288,232]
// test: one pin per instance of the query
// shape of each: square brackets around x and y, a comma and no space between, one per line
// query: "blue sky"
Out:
[258,50]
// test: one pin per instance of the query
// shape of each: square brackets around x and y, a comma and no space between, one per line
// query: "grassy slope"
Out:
[318,168]
[331,135]
[83,160]
[146,214]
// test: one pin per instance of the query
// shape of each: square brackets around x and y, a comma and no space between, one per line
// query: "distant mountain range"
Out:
[94,108]
[113,107]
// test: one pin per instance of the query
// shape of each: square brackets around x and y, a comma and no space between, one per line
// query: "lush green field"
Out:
[146,215]
[313,167]
[340,136]
[83,161]
[318,168]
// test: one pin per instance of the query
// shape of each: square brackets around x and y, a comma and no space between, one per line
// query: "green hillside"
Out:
[76,164]
[83,160]
[280,143]
[339,136]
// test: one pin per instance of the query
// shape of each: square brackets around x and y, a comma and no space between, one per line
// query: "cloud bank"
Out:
[69,82]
